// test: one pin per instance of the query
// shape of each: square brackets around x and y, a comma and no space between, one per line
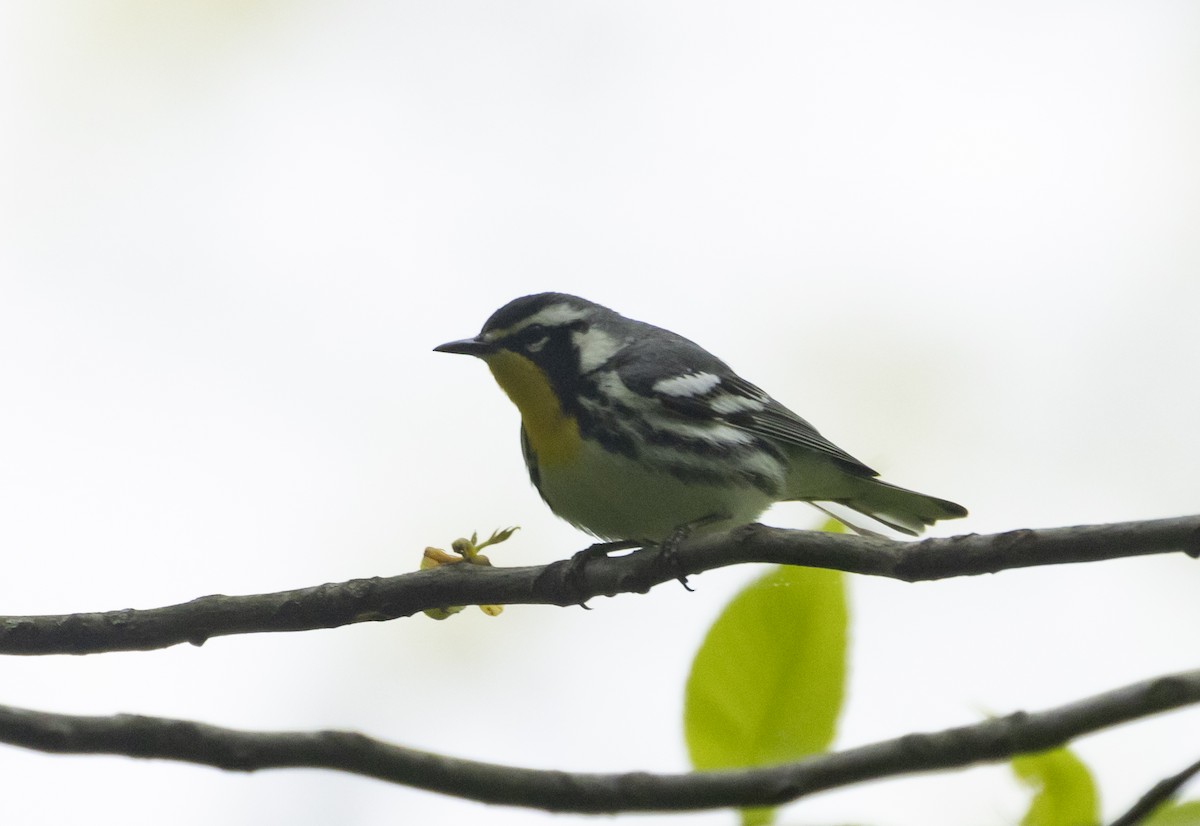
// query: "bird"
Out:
[635,434]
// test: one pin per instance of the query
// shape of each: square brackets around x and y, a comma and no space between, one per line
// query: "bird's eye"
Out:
[535,338]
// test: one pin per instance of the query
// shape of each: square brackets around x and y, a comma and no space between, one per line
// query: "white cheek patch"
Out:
[595,348]
[693,384]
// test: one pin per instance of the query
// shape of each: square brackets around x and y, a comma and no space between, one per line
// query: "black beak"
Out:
[467,346]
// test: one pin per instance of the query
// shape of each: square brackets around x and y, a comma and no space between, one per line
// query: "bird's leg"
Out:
[668,549]
[579,561]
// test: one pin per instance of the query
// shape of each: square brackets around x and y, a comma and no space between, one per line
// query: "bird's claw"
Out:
[574,575]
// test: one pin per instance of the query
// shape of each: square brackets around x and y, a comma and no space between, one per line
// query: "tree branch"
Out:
[989,741]
[1160,793]
[378,599]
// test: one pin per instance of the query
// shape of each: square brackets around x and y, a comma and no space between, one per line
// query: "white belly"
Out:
[614,497]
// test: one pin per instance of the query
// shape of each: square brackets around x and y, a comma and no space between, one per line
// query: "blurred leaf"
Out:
[764,816]
[766,685]
[832,525]
[1175,814]
[1066,793]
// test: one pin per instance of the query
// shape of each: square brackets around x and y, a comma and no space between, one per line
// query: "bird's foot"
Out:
[577,563]
[668,549]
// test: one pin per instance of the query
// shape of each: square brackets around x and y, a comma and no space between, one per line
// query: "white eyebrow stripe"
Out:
[553,316]
[692,384]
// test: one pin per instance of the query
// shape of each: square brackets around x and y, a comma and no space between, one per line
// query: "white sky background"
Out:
[962,239]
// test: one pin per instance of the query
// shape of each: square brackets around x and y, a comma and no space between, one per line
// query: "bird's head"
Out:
[547,341]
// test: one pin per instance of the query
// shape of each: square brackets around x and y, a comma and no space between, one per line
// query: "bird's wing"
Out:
[691,382]
[731,399]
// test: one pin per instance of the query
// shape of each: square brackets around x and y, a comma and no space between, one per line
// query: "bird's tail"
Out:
[904,510]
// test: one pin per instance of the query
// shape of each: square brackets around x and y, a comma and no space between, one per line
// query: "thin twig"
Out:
[1160,793]
[989,741]
[378,599]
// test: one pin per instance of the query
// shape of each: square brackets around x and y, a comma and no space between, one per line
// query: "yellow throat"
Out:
[553,435]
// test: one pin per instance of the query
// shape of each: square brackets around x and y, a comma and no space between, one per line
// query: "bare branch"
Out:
[378,599]
[1160,793]
[989,741]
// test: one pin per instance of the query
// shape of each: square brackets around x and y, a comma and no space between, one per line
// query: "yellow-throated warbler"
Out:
[633,433]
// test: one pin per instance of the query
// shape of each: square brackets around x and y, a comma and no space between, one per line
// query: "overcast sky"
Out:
[961,239]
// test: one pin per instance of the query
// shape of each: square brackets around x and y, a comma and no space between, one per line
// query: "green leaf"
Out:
[764,816]
[1066,793]
[767,683]
[1175,814]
